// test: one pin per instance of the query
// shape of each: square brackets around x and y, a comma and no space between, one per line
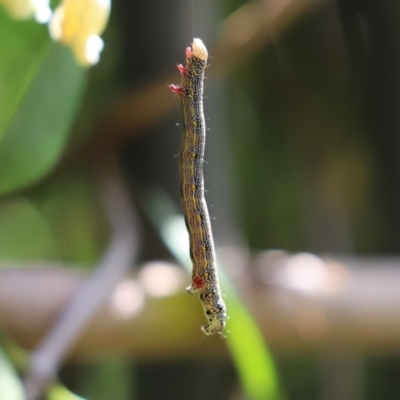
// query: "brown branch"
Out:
[253,26]
[349,304]
[91,294]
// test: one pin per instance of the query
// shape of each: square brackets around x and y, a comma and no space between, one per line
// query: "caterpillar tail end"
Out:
[215,326]
[215,311]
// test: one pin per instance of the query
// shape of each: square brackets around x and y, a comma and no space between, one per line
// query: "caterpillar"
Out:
[202,253]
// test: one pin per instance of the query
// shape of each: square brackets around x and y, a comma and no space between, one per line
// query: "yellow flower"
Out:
[78,23]
[25,9]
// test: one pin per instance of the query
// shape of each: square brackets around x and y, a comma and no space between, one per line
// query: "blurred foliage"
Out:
[42,87]
[22,46]
[59,392]
[117,371]
[253,360]
[10,385]
[41,92]
[74,216]
[310,166]
[24,233]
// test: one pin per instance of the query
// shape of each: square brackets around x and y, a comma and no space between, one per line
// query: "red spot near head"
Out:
[198,282]
[176,89]
[188,53]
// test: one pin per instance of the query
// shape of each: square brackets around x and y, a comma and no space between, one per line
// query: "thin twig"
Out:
[121,252]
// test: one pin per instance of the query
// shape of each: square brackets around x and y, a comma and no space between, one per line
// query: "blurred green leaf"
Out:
[250,353]
[252,357]
[36,128]
[21,47]
[10,385]
[24,234]
[108,380]
[72,210]
[60,392]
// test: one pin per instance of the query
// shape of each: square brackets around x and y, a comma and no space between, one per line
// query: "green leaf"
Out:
[35,136]
[71,209]
[21,47]
[10,385]
[250,353]
[253,359]
[60,392]
[24,234]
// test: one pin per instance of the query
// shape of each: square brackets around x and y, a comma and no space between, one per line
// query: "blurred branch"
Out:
[87,296]
[302,303]
[253,26]
[242,34]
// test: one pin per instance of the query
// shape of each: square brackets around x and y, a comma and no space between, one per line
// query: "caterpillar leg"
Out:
[191,290]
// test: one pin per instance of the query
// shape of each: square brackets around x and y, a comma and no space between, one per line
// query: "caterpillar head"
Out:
[199,50]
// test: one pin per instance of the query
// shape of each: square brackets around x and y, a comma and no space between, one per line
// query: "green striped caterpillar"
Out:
[204,276]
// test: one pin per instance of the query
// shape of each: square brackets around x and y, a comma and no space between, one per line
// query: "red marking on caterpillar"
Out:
[198,282]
